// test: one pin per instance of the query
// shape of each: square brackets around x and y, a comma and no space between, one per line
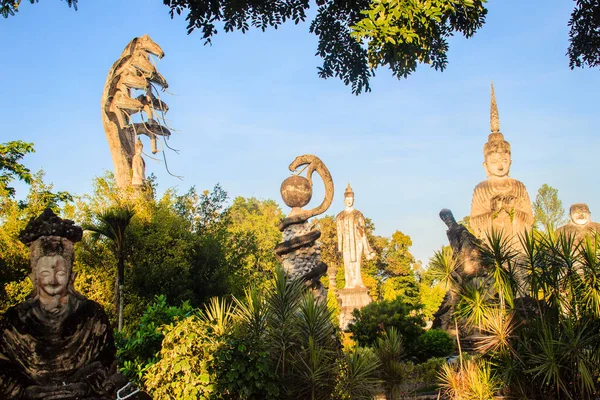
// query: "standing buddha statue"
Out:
[500,203]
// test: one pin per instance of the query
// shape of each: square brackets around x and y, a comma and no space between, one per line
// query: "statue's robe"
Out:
[138,167]
[352,238]
[579,232]
[502,205]
[75,346]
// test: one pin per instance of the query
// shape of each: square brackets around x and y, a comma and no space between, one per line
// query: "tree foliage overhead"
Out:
[355,37]
[10,7]
[584,36]
[358,36]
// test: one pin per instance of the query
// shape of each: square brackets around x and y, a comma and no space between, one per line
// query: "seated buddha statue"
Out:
[56,344]
[500,203]
[580,224]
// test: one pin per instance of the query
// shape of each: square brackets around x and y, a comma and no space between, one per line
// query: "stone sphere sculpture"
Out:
[296,191]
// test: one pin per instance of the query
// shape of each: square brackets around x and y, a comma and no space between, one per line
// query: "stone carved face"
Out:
[580,216]
[349,201]
[497,164]
[52,275]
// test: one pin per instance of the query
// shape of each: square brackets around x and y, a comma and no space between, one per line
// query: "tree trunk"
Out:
[120,282]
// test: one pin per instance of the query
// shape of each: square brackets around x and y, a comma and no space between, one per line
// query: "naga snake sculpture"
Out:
[133,71]
[299,252]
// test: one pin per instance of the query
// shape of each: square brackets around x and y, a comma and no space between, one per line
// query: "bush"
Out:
[373,320]
[137,350]
[434,343]
[186,358]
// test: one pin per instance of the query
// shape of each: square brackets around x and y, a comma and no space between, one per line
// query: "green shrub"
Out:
[373,320]
[137,349]
[184,370]
[434,343]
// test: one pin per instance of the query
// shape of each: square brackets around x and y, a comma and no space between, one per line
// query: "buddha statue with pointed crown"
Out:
[500,203]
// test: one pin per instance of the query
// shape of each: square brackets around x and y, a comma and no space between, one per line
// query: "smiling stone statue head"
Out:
[51,244]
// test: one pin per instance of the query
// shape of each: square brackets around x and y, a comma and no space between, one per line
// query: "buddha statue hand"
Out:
[506,203]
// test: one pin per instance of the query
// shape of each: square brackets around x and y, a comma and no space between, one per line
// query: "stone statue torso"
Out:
[579,231]
[138,166]
[74,346]
[502,205]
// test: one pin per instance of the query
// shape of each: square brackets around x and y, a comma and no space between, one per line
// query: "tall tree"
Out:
[11,154]
[112,224]
[397,270]
[548,210]
[253,223]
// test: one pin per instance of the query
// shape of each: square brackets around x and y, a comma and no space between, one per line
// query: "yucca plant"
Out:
[470,380]
[301,339]
[539,308]
[390,351]
[359,375]
[475,301]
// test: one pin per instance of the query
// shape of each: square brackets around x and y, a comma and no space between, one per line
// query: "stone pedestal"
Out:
[351,299]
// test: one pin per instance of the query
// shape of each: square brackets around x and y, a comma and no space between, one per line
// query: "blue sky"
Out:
[247,105]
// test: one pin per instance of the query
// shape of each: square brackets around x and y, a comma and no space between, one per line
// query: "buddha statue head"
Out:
[580,214]
[496,151]
[51,244]
[348,197]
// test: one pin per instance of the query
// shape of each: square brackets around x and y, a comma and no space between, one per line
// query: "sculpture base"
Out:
[351,299]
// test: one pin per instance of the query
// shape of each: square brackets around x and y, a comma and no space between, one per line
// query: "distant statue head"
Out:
[348,196]
[496,151]
[580,214]
[51,242]
[448,218]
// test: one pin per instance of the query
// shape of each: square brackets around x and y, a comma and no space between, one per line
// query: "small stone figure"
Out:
[580,225]
[138,166]
[500,203]
[465,247]
[299,252]
[464,244]
[352,243]
[56,344]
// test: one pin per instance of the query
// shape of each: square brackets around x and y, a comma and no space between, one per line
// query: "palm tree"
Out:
[112,224]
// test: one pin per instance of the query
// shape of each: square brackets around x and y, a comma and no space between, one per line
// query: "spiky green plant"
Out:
[474,303]
[358,378]
[469,380]
[390,351]
[539,306]
[443,267]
